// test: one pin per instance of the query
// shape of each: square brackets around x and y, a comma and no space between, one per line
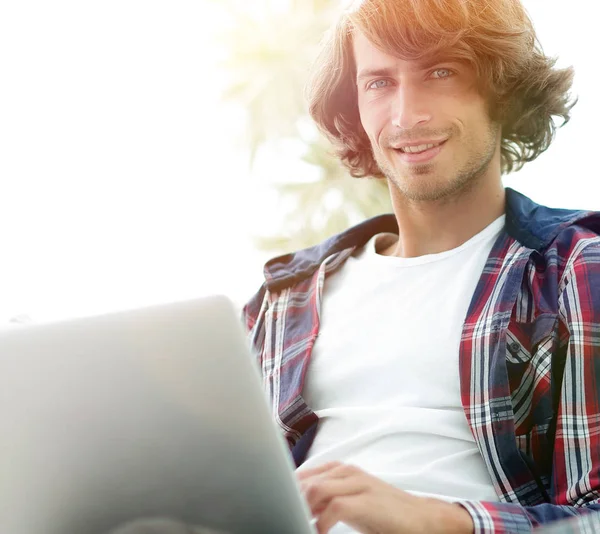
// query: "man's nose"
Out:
[410,107]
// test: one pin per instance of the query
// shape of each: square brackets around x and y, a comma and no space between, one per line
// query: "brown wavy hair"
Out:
[525,91]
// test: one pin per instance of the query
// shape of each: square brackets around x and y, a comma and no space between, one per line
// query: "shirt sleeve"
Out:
[506,518]
[575,489]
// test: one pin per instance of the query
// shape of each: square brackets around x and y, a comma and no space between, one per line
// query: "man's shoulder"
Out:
[534,225]
[288,269]
[292,269]
[548,230]
[545,229]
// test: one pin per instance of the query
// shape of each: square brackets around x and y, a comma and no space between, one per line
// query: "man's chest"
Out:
[391,332]
[390,338]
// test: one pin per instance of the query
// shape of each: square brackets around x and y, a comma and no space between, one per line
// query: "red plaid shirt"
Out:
[529,358]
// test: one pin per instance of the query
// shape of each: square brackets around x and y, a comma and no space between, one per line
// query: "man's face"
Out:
[408,106]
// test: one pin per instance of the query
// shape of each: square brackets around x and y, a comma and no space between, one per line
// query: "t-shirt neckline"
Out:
[370,251]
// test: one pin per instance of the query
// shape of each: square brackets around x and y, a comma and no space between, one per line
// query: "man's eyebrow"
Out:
[434,61]
[369,73]
[420,65]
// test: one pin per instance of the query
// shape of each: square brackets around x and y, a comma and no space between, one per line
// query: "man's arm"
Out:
[501,518]
[575,486]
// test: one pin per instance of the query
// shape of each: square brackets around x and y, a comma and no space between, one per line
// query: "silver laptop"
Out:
[153,412]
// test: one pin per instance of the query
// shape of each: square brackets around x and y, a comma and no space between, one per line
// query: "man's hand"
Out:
[337,492]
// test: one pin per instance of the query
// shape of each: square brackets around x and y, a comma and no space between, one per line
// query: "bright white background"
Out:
[122,177]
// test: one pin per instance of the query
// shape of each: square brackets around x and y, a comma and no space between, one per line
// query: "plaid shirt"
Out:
[529,358]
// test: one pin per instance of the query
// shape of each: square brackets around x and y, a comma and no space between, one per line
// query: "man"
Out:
[436,370]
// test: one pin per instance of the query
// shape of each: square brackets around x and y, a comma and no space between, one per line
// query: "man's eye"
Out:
[379,84]
[441,73]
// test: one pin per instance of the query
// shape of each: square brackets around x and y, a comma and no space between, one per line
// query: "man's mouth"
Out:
[419,153]
[417,149]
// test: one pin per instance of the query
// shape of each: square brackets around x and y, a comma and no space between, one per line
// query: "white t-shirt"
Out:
[384,372]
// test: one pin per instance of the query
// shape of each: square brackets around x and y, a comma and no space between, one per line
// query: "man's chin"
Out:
[423,187]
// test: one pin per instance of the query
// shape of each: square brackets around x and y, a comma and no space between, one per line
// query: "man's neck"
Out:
[431,227]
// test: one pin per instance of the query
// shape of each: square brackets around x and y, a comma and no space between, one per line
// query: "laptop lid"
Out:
[151,412]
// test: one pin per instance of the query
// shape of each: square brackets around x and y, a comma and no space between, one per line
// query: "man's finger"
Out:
[345,509]
[306,473]
[319,493]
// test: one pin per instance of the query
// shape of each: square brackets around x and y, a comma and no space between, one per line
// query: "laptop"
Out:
[157,412]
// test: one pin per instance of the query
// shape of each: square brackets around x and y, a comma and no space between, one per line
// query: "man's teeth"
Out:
[417,149]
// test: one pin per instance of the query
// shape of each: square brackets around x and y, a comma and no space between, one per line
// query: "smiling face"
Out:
[428,124]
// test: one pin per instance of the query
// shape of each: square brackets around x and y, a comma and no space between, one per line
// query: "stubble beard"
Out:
[438,187]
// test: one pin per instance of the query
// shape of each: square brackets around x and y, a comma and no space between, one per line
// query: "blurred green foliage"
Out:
[269,55]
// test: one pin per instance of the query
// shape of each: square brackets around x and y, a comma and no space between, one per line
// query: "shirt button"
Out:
[514,347]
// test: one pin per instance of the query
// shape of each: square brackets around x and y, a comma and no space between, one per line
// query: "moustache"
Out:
[407,137]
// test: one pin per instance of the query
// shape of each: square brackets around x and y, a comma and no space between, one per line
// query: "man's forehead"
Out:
[368,56]
[365,51]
